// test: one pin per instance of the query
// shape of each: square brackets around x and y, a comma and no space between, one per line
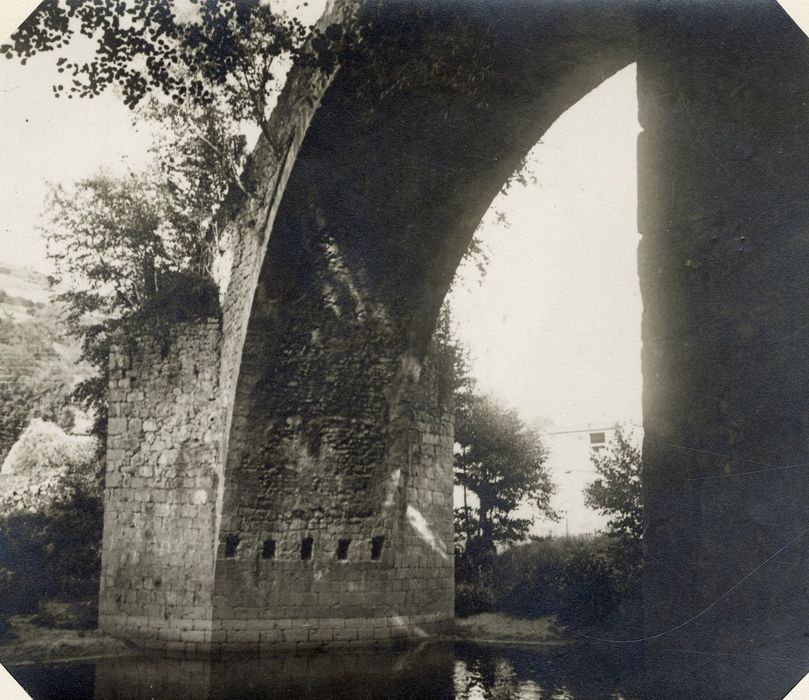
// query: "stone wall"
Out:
[250,220]
[171,579]
[165,422]
[368,487]
[340,440]
[310,451]
[360,451]
[338,429]
[321,508]
[724,217]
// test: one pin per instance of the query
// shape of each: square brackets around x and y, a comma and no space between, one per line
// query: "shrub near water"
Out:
[584,581]
[475,586]
[52,555]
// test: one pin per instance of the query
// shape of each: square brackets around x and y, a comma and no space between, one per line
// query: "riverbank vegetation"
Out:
[584,581]
[50,558]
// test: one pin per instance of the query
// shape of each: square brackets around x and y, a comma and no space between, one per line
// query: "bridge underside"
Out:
[298,490]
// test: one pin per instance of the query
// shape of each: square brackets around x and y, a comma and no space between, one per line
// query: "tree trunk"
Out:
[149,281]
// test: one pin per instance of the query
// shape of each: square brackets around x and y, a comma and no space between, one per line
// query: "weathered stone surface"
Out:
[724,161]
[339,429]
[161,487]
[327,422]
[315,415]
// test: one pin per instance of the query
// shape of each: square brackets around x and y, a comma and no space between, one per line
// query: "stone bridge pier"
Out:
[282,474]
[724,215]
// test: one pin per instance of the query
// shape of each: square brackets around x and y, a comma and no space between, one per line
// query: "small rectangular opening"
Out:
[376,547]
[598,438]
[268,549]
[306,548]
[342,549]
[231,546]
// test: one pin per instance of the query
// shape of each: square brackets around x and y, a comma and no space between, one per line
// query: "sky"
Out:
[44,139]
[554,325]
[553,328]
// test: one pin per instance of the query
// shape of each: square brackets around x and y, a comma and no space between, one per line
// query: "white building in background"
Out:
[570,465]
[571,469]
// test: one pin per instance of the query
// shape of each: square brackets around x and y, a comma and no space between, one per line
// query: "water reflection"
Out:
[526,673]
[459,671]
[470,682]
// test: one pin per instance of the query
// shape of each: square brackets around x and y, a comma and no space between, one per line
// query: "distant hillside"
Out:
[39,361]
[25,295]
[22,290]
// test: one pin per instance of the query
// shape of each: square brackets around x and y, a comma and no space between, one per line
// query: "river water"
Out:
[461,671]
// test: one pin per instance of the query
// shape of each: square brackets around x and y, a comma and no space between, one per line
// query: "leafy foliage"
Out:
[113,240]
[228,53]
[476,584]
[583,581]
[575,578]
[123,247]
[502,462]
[111,233]
[617,494]
[199,154]
[129,251]
[52,554]
[199,161]
[124,251]
[497,457]
[452,362]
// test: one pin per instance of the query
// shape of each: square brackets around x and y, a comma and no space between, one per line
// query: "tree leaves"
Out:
[503,463]
[227,53]
[617,494]
[129,251]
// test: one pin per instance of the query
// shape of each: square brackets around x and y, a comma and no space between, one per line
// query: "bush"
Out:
[51,555]
[24,578]
[584,581]
[473,597]
[475,585]
[73,615]
[591,587]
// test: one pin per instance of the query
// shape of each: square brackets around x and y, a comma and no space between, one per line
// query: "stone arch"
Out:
[315,418]
[340,429]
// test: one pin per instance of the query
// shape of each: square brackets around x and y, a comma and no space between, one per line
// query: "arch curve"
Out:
[340,426]
[297,488]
